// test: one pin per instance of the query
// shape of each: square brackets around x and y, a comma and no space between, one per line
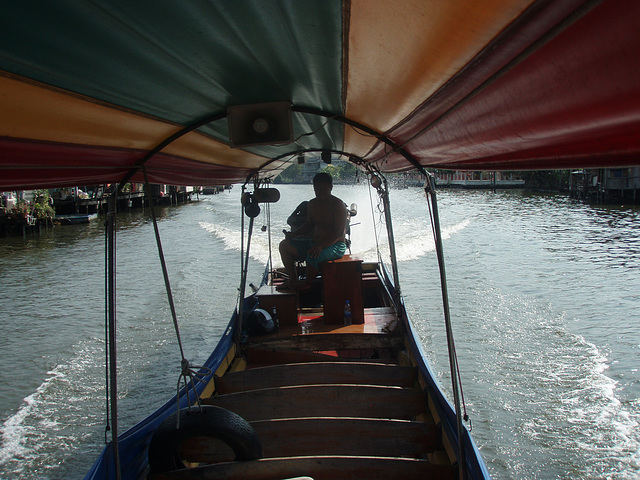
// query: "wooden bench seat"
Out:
[331,341]
[316,467]
[265,355]
[294,437]
[366,401]
[347,436]
[316,373]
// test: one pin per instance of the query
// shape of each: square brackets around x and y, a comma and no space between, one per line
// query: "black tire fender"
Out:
[212,422]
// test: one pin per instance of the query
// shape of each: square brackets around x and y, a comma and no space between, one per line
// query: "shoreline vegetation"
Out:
[26,212]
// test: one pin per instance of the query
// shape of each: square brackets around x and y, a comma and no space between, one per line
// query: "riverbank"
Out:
[27,217]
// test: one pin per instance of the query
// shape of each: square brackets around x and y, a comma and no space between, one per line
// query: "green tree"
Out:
[342,172]
[41,208]
[290,174]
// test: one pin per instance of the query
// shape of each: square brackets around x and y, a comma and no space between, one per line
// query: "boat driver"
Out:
[326,223]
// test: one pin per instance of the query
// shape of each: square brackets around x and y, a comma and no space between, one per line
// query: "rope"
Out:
[111,332]
[194,376]
[188,373]
[107,428]
[383,191]
[165,273]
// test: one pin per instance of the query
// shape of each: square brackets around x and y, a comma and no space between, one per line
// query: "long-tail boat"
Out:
[222,92]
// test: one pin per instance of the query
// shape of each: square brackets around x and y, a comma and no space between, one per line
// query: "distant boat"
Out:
[212,190]
[74,219]
[480,184]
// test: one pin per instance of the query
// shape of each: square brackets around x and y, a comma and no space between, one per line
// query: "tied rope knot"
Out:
[186,368]
[190,375]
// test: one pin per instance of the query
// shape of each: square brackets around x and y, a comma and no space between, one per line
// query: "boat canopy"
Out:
[212,92]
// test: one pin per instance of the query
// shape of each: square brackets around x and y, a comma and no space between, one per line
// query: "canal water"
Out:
[545,303]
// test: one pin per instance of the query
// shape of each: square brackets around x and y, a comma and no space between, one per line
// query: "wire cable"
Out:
[107,428]
[188,373]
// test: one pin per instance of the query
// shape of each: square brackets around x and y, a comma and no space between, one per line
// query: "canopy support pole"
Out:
[111,311]
[384,193]
[243,277]
[430,191]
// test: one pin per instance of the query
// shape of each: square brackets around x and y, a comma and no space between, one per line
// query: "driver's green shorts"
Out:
[332,252]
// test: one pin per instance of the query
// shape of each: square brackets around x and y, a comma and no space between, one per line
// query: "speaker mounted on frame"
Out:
[260,124]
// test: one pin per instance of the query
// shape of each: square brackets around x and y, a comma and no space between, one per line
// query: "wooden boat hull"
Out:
[75,219]
[326,400]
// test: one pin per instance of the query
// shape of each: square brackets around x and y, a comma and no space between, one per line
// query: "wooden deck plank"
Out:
[331,436]
[330,341]
[367,401]
[377,320]
[317,372]
[316,467]
[347,436]
[264,356]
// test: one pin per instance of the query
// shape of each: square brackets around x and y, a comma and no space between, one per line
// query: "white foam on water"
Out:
[570,418]
[47,426]
[600,424]
[18,429]
[414,238]
[230,237]
[14,432]
[412,243]
[232,241]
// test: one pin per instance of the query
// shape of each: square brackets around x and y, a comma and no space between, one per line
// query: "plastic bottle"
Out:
[347,313]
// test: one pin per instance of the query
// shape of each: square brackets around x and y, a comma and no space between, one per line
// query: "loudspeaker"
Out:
[260,124]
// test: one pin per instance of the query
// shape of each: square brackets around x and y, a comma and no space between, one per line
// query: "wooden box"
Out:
[286,304]
[342,281]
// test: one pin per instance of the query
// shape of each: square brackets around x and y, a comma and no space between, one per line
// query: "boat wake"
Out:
[413,241]
[232,241]
[585,411]
[412,246]
[572,410]
[62,413]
